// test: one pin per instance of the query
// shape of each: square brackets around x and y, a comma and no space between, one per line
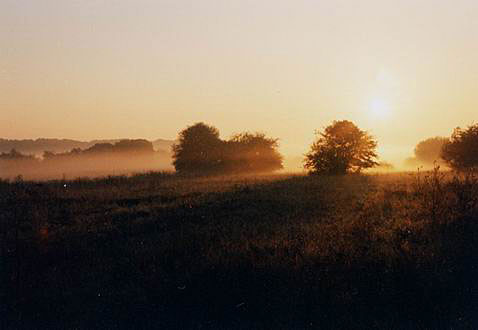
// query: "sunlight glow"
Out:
[379,108]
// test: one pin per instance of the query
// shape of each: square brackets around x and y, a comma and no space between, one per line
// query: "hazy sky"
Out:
[404,70]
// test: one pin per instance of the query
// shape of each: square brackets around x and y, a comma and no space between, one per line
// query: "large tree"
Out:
[199,149]
[342,147]
[461,151]
[429,151]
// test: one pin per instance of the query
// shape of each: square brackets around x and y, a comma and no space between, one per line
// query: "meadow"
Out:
[162,251]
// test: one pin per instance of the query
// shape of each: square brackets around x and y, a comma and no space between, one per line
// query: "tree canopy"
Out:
[200,150]
[253,152]
[461,151]
[429,151]
[342,147]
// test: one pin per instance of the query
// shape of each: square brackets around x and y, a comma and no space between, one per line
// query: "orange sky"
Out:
[404,70]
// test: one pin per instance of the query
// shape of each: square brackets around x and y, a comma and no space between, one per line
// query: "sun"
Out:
[379,108]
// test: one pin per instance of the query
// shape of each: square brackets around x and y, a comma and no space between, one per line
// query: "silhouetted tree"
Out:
[247,152]
[48,155]
[138,147]
[16,162]
[340,148]
[100,148]
[135,146]
[76,151]
[461,151]
[429,150]
[199,149]
[16,155]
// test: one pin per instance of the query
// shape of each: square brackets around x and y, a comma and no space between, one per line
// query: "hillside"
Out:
[159,251]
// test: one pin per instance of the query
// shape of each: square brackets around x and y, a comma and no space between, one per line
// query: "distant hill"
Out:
[38,146]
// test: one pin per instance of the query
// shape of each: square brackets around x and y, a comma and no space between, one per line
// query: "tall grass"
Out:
[158,250]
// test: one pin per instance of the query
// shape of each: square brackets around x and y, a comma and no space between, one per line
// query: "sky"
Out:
[402,70]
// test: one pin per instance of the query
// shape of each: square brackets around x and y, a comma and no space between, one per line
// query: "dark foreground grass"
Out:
[160,251]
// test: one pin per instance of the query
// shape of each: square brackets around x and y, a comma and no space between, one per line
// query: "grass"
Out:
[286,251]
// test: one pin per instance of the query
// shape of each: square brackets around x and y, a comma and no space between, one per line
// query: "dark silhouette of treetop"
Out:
[461,151]
[100,148]
[135,146]
[200,150]
[342,147]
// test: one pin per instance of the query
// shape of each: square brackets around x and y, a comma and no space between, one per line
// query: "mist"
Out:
[123,157]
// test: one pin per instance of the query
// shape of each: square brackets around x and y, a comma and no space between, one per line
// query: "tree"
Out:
[16,155]
[199,149]
[342,147]
[429,151]
[461,151]
[99,148]
[248,152]
[139,146]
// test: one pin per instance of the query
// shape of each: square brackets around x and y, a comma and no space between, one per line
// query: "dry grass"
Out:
[161,251]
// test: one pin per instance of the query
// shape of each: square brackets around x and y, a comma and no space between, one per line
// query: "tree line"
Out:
[342,147]
[121,157]
[458,152]
[339,148]
[137,146]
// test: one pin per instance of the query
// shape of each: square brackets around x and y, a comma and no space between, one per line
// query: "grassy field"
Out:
[288,251]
